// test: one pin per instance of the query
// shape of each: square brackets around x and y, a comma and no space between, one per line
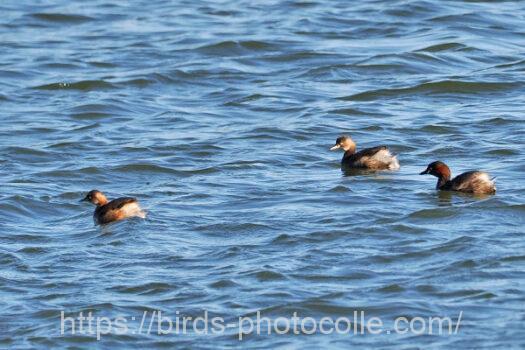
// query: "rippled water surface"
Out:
[218,116]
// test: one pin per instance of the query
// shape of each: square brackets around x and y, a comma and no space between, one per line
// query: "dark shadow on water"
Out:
[120,227]
[357,172]
[108,229]
[445,197]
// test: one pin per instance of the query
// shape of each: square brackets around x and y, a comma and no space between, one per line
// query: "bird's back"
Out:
[117,209]
[372,158]
[472,182]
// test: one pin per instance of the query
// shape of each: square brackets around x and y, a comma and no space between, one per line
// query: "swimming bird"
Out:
[477,182]
[117,209]
[375,158]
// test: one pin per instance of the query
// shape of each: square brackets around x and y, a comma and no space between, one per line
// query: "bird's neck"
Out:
[349,150]
[442,181]
[102,201]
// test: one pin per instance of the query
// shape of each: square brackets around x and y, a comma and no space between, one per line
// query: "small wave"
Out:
[61,17]
[303,4]
[443,47]
[227,45]
[62,66]
[139,82]
[437,129]
[242,164]
[10,259]
[109,108]
[284,239]
[103,64]
[513,258]
[517,66]
[71,173]
[391,288]
[499,121]
[230,47]
[340,189]
[144,289]
[229,228]
[268,275]
[324,236]
[90,115]
[269,132]
[464,18]
[144,167]
[219,12]
[258,45]
[438,213]
[249,98]
[506,152]
[85,85]
[347,276]
[222,284]
[145,81]
[352,112]
[33,250]
[26,151]
[439,87]
[13,74]
[296,56]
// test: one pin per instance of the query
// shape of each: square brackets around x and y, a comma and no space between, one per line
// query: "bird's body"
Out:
[117,209]
[477,182]
[374,158]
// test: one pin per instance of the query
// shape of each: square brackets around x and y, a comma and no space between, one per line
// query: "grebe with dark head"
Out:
[477,182]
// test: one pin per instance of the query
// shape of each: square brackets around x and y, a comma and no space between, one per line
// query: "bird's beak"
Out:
[337,146]
[426,171]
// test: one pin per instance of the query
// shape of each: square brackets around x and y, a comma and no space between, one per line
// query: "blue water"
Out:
[218,117]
